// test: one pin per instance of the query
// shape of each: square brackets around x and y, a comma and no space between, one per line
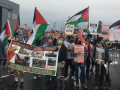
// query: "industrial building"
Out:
[8,10]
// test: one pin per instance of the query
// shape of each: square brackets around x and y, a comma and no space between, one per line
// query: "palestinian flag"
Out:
[6,33]
[10,54]
[81,16]
[115,25]
[17,25]
[39,26]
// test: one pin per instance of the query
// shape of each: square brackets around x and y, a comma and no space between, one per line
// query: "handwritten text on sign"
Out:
[114,34]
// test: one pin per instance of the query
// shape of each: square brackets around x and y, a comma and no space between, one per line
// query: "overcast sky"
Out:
[108,11]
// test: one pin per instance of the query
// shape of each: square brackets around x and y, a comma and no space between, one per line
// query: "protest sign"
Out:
[93,27]
[114,34]
[99,27]
[100,54]
[69,29]
[105,32]
[80,57]
[28,58]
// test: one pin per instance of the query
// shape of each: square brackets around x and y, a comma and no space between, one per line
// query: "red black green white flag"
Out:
[81,16]
[115,25]
[16,27]
[39,26]
[6,33]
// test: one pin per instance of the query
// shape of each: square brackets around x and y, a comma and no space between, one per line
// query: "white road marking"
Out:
[6,76]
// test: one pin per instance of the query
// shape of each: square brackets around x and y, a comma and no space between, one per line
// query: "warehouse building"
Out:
[8,10]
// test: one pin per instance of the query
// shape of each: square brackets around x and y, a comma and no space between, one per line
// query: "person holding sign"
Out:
[100,69]
[16,83]
[79,61]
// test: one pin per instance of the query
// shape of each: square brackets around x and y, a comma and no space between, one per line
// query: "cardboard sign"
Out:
[69,29]
[105,32]
[114,34]
[93,27]
[28,58]
[80,57]
[100,54]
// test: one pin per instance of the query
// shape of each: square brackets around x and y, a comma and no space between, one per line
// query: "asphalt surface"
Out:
[39,84]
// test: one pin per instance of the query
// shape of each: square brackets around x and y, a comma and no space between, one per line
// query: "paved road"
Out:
[39,84]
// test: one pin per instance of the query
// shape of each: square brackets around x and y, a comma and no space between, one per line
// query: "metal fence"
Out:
[114,57]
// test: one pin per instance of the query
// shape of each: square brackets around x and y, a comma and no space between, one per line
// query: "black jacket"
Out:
[2,50]
[63,54]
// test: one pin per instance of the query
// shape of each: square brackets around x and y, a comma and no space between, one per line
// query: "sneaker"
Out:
[15,84]
[35,77]
[62,85]
[38,75]
[88,77]
[12,72]
[73,78]
[91,71]
[65,78]
[9,73]
[80,77]
[84,86]
[21,84]
[96,88]
[77,85]
[103,87]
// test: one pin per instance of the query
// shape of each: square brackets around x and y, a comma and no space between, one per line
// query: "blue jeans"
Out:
[54,81]
[82,67]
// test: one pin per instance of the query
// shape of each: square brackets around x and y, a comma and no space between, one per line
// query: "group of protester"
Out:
[65,59]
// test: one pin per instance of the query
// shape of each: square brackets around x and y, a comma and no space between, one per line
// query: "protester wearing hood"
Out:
[82,66]
[2,54]
[49,43]
[61,60]
[69,61]
[100,69]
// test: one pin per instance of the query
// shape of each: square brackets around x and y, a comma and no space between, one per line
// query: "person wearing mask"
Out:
[38,43]
[89,57]
[16,83]
[69,61]
[62,56]
[82,66]
[100,69]
[2,55]
[49,43]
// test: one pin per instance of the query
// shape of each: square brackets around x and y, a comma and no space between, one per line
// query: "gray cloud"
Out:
[59,10]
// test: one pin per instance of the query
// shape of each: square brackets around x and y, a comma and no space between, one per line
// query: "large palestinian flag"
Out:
[6,33]
[81,16]
[39,26]
[17,25]
[115,25]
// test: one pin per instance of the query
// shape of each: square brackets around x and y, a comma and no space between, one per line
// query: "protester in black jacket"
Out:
[2,55]
[62,56]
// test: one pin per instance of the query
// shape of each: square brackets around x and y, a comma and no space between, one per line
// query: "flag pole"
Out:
[88,21]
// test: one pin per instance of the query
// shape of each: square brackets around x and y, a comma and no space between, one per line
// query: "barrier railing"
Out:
[114,56]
